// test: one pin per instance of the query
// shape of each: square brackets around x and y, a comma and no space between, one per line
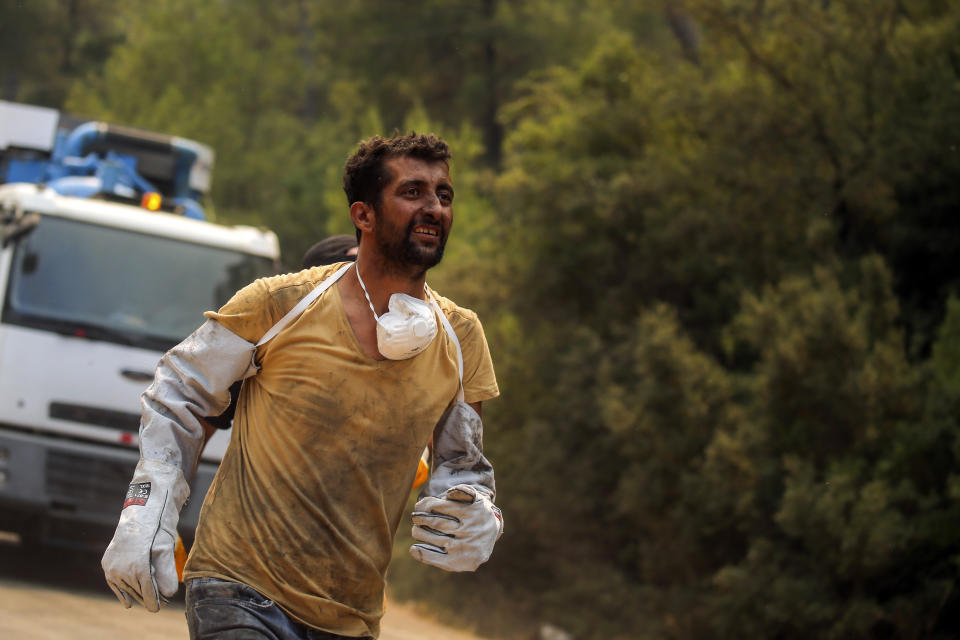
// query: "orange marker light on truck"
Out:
[151,201]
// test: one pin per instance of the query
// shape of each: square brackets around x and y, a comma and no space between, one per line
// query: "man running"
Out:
[347,370]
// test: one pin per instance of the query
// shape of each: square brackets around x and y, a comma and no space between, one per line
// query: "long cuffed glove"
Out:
[192,379]
[139,562]
[456,532]
[458,454]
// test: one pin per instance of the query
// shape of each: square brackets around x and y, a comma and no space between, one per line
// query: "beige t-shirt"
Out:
[324,450]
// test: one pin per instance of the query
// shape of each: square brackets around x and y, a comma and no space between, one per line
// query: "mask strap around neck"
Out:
[453,336]
[302,305]
[367,295]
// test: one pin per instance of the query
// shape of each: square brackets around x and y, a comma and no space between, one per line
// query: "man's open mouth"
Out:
[426,231]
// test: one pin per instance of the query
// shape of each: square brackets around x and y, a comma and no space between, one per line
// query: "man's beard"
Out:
[401,250]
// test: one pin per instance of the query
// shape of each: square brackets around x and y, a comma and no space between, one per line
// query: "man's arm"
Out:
[458,453]
[191,380]
[455,523]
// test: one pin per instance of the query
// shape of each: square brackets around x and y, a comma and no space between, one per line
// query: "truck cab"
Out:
[95,287]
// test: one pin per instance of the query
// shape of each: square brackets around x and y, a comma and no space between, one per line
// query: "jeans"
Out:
[221,610]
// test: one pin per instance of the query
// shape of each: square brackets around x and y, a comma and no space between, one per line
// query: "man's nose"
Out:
[432,205]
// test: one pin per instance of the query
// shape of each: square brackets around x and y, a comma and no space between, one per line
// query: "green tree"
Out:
[870,90]
[47,45]
[829,530]
[232,75]
[459,58]
[283,91]
[738,464]
[712,262]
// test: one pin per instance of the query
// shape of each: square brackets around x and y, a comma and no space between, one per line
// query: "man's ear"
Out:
[362,216]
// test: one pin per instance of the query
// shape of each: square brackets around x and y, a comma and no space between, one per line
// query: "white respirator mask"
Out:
[406,329]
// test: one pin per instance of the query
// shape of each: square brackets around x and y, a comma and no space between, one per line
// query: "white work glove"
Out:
[456,532]
[139,563]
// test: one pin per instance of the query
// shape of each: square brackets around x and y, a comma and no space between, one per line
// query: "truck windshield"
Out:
[120,286]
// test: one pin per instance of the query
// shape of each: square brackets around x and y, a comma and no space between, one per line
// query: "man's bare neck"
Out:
[382,281]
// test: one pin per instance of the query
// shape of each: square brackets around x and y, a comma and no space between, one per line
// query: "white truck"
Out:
[94,289]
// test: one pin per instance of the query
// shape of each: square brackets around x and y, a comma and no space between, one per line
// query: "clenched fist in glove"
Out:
[456,532]
[139,562]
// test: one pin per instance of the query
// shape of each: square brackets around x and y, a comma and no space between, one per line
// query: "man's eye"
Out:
[445,197]
[413,191]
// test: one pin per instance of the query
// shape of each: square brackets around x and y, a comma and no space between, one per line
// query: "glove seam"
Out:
[153,541]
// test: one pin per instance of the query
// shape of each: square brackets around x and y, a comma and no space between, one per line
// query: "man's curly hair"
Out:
[365,173]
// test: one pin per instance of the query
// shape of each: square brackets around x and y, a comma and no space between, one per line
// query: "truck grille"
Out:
[90,483]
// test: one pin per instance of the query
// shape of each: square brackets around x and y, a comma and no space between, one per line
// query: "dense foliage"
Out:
[714,245]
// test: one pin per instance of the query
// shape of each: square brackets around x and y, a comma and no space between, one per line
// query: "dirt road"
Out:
[55,595]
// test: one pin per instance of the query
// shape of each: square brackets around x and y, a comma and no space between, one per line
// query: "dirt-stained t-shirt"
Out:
[323,453]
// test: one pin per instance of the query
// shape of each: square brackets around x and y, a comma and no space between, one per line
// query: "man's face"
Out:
[415,212]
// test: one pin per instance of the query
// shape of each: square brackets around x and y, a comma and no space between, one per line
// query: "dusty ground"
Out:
[55,595]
